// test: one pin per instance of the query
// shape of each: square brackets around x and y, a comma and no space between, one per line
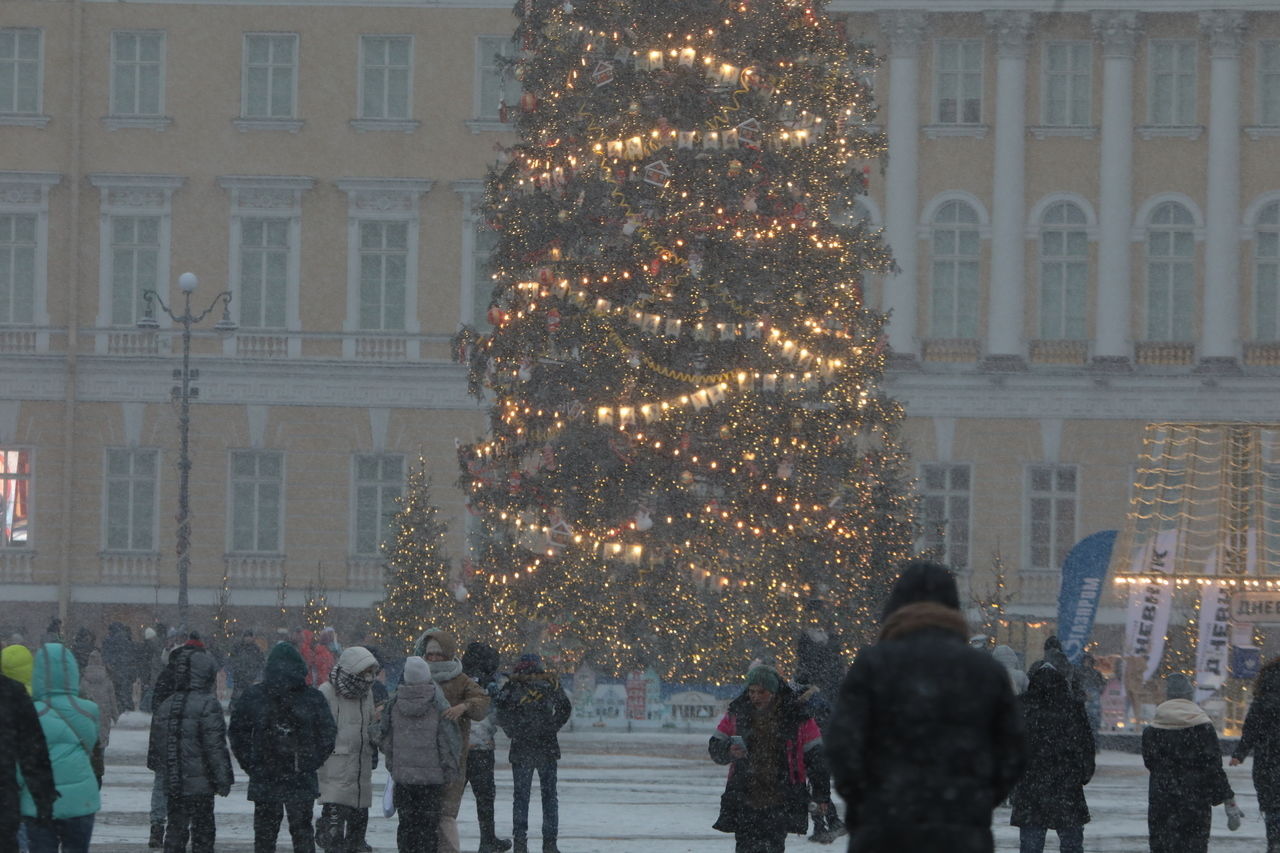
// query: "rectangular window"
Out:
[15,498]
[486,240]
[135,263]
[1173,82]
[386,74]
[20,66]
[137,74]
[270,75]
[1051,511]
[379,482]
[945,499]
[495,84]
[384,264]
[958,81]
[129,509]
[1269,83]
[264,272]
[1067,83]
[257,501]
[18,247]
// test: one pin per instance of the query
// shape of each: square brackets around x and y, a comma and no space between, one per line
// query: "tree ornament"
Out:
[602,74]
[686,478]
[553,319]
[735,168]
[642,520]
[657,173]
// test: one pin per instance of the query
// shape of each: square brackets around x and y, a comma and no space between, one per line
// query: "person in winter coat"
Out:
[926,739]
[119,656]
[346,779]
[84,642]
[16,662]
[188,751]
[22,748]
[774,752]
[1092,685]
[164,687]
[70,726]
[1180,749]
[423,748]
[480,662]
[245,664]
[97,687]
[281,734]
[1261,738]
[531,708]
[1008,658]
[467,703]
[1059,765]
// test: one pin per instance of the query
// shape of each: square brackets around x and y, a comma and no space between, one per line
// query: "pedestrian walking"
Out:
[149,666]
[1180,749]
[22,749]
[188,751]
[423,748]
[281,734]
[1261,739]
[245,664]
[1008,658]
[532,708]
[480,662]
[1060,752]
[97,687]
[70,726]
[120,657]
[926,739]
[774,751]
[467,703]
[346,779]
[1092,684]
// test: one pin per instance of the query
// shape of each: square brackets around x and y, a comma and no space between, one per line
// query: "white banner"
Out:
[1215,632]
[1151,604]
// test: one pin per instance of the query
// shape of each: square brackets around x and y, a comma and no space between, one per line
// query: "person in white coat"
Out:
[346,784]
[1008,658]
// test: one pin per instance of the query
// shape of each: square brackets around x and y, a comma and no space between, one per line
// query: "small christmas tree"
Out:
[315,609]
[420,589]
[992,605]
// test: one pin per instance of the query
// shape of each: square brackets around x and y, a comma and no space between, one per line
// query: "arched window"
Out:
[1171,291]
[954,291]
[1064,272]
[1266,273]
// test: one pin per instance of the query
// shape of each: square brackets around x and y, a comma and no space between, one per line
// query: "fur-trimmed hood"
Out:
[923,615]
[1178,714]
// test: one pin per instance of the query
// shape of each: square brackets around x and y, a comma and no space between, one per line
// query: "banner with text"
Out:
[1215,638]
[1150,604]
[1084,575]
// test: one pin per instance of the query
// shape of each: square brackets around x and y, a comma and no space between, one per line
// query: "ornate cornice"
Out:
[1118,32]
[1225,29]
[903,32]
[1011,31]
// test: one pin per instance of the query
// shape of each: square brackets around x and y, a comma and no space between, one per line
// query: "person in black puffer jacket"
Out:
[188,751]
[22,748]
[531,708]
[1181,750]
[1261,738]
[281,733]
[1059,765]
[926,739]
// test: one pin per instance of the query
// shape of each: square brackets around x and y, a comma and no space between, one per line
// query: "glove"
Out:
[1234,814]
[224,791]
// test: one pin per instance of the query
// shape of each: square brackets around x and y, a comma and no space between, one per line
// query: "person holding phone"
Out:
[774,751]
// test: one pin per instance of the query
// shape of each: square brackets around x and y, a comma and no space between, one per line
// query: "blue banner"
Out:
[1083,574]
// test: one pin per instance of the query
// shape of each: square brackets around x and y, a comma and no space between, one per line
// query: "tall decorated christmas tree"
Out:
[686,440]
[420,584]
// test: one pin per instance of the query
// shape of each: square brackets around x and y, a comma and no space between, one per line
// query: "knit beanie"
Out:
[433,647]
[416,670]
[765,677]
[922,581]
[528,664]
[1178,686]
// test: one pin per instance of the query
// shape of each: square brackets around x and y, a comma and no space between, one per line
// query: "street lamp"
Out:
[183,393]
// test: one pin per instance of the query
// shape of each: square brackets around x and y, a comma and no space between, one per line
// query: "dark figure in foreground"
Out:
[1261,738]
[774,752]
[281,733]
[22,747]
[245,663]
[480,663]
[188,751]
[1181,750]
[1059,765]
[532,707]
[926,739]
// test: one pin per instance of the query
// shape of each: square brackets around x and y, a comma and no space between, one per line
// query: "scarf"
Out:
[350,685]
[444,670]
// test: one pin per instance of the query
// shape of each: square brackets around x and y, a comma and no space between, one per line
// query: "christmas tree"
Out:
[686,438]
[419,588]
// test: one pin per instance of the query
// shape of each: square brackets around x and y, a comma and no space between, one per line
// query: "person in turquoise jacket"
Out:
[70,726]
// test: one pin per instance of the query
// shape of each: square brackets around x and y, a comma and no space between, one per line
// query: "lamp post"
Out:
[182,393]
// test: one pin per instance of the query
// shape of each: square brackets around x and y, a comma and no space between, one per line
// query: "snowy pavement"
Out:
[637,792]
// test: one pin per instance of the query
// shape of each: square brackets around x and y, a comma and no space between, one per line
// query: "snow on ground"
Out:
[637,792]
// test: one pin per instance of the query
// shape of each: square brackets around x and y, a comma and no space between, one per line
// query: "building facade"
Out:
[1081,198]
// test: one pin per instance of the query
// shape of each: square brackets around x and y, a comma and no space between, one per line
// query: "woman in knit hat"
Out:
[774,752]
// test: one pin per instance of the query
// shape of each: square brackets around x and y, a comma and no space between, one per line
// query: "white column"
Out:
[902,32]
[1220,334]
[1005,320]
[1118,32]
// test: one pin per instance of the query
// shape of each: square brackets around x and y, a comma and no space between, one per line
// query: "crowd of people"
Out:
[923,737]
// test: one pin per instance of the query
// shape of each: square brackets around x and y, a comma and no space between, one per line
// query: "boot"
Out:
[549,846]
[157,837]
[521,845]
[830,828]
[493,844]
[819,826]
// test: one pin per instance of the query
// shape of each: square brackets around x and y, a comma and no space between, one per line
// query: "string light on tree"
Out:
[686,436]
